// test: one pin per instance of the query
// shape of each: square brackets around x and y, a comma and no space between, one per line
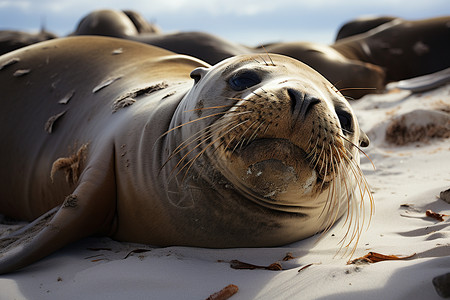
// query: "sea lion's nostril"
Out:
[301,104]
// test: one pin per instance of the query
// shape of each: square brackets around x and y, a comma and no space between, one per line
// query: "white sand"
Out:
[412,174]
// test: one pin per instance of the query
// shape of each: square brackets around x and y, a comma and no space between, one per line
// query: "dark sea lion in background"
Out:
[361,25]
[355,78]
[204,46]
[405,49]
[333,66]
[112,137]
[141,24]
[11,40]
[108,23]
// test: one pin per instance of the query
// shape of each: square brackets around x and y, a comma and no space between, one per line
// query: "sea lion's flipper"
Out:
[88,210]
[422,83]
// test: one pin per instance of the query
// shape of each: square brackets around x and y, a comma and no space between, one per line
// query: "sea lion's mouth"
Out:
[269,166]
[275,173]
[271,149]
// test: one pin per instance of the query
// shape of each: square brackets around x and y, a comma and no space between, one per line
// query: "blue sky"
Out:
[250,22]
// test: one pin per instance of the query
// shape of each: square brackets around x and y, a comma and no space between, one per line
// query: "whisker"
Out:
[267,128]
[212,107]
[359,149]
[195,137]
[254,93]
[242,99]
[255,133]
[203,133]
[256,60]
[191,162]
[263,60]
[193,121]
[357,88]
[363,184]
[242,139]
[334,86]
[267,53]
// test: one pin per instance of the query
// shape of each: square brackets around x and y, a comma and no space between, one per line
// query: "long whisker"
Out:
[241,99]
[191,162]
[212,107]
[359,149]
[357,88]
[267,53]
[255,133]
[195,137]
[193,121]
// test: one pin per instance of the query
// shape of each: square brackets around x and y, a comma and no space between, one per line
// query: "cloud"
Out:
[219,7]
[21,5]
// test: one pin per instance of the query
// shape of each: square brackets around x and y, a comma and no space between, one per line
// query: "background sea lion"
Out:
[355,78]
[405,49]
[11,39]
[141,23]
[114,23]
[249,153]
[361,25]
[204,46]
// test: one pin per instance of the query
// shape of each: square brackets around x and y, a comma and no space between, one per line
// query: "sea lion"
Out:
[141,24]
[353,77]
[115,24]
[361,25]
[204,46]
[405,49]
[11,40]
[112,137]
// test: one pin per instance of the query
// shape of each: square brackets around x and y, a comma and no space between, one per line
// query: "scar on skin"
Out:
[117,51]
[72,165]
[9,62]
[51,121]
[67,97]
[21,72]
[106,83]
[130,97]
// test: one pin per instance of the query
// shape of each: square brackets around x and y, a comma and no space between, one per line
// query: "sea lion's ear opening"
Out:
[363,139]
[198,73]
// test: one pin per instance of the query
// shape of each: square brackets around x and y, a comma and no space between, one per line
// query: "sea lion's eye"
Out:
[243,80]
[345,118]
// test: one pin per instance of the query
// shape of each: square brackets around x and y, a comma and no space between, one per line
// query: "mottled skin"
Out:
[405,49]
[119,163]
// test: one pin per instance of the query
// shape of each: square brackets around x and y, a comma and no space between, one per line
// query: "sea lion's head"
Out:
[278,131]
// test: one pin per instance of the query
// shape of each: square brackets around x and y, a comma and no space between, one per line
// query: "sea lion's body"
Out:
[361,25]
[405,49]
[115,135]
